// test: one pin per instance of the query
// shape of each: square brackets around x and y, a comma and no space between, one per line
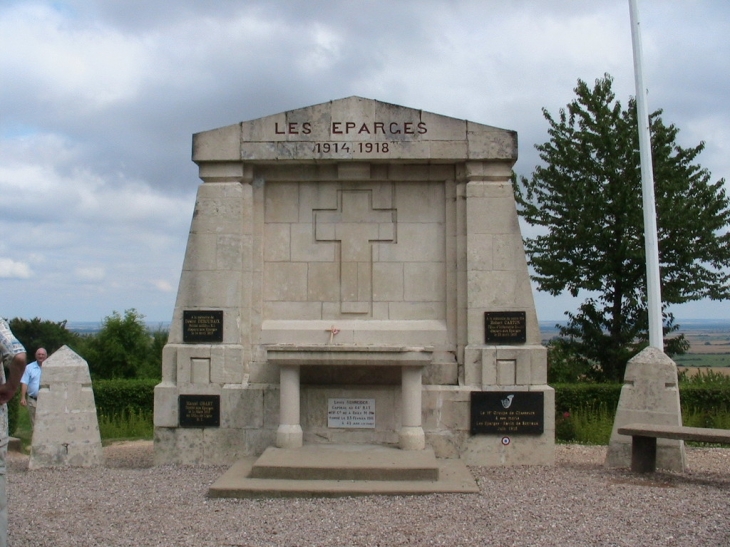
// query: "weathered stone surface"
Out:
[650,395]
[66,430]
[352,224]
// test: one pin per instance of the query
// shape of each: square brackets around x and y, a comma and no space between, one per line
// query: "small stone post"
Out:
[650,395]
[66,429]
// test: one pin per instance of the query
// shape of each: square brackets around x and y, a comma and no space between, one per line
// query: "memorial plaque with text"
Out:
[505,327]
[202,326]
[200,410]
[351,413]
[507,413]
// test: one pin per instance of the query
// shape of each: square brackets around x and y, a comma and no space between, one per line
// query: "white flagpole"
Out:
[653,283]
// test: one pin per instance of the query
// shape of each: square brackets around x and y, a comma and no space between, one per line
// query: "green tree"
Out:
[39,333]
[124,348]
[587,198]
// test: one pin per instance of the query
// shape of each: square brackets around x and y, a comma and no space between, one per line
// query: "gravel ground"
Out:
[574,503]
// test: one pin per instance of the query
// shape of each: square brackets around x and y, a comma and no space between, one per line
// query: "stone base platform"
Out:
[343,470]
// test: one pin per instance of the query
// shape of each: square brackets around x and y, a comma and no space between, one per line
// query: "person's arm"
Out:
[16,369]
[23,393]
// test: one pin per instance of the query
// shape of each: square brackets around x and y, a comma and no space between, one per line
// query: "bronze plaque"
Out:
[199,410]
[203,326]
[507,412]
[505,327]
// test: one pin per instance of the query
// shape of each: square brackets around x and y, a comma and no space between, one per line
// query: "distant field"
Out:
[702,360]
[709,349]
[692,371]
[709,343]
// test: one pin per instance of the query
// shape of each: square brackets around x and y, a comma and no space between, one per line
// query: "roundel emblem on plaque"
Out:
[505,441]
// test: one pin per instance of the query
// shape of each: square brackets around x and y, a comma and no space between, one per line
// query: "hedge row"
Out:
[115,396]
[569,397]
[112,397]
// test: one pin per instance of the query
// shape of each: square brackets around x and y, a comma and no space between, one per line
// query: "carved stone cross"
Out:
[355,225]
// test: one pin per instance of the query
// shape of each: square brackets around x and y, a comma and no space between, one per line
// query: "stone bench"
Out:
[644,438]
[289,359]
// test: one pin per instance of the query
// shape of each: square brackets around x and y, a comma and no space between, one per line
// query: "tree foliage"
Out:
[124,348]
[39,333]
[587,198]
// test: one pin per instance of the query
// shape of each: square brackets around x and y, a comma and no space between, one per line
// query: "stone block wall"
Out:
[354,224]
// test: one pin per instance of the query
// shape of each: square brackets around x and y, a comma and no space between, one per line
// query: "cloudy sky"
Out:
[99,100]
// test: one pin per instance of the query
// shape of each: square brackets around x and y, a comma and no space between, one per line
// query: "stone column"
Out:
[289,434]
[411,434]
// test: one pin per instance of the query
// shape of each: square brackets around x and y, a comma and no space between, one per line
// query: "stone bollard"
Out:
[650,395]
[66,432]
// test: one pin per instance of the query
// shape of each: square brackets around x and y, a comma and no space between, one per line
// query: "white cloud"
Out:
[163,286]
[100,100]
[12,269]
[35,170]
[83,67]
[91,273]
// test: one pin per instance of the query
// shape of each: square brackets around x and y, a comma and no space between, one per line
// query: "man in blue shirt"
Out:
[12,355]
[30,383]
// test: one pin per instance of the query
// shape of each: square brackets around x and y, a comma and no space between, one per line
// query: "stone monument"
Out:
[355,274]
[66,432]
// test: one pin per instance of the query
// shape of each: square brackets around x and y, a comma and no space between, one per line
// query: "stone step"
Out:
[342,470]
[347,463]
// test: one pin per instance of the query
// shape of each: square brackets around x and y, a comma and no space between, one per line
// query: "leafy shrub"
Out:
[585,412]
[38,333]
[569,397]
[704,378]
[564,427]
[125,348]
[704,397]
[13,410]
[114,397]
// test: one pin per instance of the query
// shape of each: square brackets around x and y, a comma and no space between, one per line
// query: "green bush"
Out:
[125,348]
[569,397]
[585,412]
[115,397]
[39,333]
[13,411]
[564,427]
[704,397]
[572,396]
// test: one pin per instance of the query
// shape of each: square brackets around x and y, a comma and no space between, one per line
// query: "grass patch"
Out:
[715,419]
[586,425]
[593,426]
[23,431]
[130,424]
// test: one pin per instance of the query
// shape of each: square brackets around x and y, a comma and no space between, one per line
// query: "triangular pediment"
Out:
[359,129]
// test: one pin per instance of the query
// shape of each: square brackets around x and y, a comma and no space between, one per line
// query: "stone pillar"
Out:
[216,275]
[497,280]
[411,434]
[289,434]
